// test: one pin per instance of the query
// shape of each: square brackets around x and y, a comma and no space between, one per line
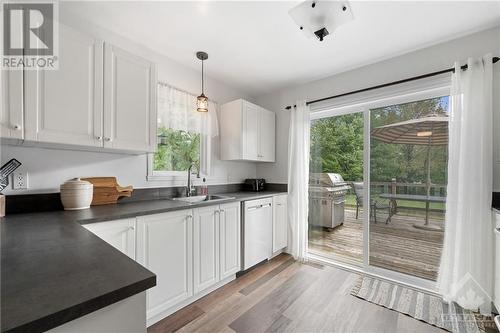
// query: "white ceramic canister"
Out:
[76,194]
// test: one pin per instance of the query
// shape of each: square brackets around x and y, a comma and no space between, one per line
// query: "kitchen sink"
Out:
[202,198]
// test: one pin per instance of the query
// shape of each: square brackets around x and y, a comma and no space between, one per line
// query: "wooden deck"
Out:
[397,246]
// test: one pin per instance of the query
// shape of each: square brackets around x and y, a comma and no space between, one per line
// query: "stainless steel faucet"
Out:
[190,188]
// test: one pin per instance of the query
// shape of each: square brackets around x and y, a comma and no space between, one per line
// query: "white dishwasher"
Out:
[257,244]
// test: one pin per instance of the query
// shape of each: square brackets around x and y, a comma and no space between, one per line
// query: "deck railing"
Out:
[438,190]
[406,188]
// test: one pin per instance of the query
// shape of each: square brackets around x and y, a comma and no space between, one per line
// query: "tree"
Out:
[337,146]
[177,150]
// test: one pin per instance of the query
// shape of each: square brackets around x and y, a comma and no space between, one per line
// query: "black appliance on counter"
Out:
[254,184]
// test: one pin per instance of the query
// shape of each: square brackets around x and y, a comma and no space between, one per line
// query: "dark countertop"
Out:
[53,270]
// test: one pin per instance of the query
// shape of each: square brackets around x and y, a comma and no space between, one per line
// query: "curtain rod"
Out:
[449,70]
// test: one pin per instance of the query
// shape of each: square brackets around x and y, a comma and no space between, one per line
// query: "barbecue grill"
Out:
[327,193]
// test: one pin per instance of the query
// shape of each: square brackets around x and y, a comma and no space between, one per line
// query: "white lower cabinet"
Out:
[165,247]
[192,252]
[280,224]
[119,233]
[230,239]
[206,247]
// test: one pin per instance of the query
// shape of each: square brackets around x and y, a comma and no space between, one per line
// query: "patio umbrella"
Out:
[431,130]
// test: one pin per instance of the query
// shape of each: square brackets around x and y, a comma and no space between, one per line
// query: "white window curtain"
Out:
[298,178]
[177,110]
[466,272]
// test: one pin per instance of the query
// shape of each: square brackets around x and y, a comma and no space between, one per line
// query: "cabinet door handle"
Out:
[17,127]
[131,228]
[222,211]
[189,216]
[99,138]
[107,139]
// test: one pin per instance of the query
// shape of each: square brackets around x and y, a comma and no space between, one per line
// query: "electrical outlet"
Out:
[20,180]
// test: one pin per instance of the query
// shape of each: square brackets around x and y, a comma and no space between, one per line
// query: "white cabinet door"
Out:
[267,136]
[120,234]
[230,238]
[247,132]
[11,104]
[129,101]
[206,247]
[280,224]
[164,246]
[251,121]
[65,105]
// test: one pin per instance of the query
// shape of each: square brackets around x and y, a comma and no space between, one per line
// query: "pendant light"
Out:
[202,100]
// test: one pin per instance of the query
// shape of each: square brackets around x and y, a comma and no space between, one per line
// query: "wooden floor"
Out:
[397,246]
[286,296]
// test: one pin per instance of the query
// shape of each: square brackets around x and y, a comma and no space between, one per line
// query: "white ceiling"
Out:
[256,47]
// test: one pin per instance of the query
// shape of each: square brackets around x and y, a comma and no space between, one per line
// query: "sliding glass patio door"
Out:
[408,176]
[336,188]
[392,154]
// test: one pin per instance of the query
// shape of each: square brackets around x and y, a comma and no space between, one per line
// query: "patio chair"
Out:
[374,205]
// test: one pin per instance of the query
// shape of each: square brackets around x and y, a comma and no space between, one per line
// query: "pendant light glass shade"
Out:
[202,103]
[202,100]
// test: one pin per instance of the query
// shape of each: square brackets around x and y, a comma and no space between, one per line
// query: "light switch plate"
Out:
[20,180]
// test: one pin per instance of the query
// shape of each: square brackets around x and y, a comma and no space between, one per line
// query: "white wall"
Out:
[423,61]
[48,168]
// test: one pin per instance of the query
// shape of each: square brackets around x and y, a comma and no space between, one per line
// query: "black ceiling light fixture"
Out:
[202,100]
[320,18]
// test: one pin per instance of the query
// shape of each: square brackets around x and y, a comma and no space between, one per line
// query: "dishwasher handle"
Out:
[258,207]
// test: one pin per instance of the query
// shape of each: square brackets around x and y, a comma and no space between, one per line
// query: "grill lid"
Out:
[326,180]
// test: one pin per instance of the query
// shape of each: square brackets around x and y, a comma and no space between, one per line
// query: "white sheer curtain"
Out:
[177,110]
[466,271]
[298,178]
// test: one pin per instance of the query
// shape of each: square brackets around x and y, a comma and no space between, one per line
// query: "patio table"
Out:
[411,197]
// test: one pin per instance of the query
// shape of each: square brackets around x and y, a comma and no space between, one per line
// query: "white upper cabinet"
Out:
[119,233]
[11,104]
[65,105]
[100,97]
[267,128]
[247,132]
[129,101]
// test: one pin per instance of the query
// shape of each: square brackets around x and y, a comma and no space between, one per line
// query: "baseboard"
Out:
[167,312]
[277,253]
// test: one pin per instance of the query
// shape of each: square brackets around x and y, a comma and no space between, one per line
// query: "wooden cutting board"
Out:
[107,191]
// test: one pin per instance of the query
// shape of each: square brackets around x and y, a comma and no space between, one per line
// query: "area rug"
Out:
[422,306]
